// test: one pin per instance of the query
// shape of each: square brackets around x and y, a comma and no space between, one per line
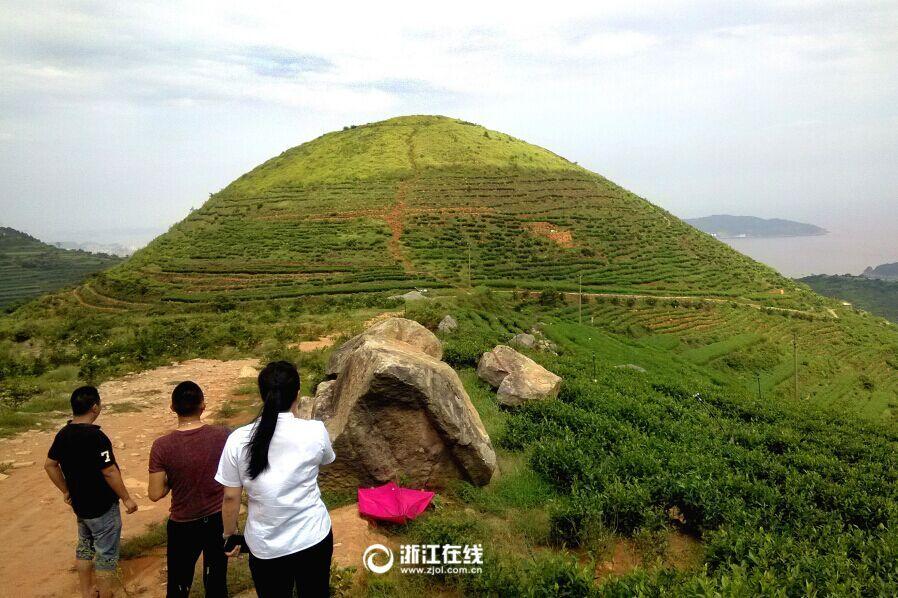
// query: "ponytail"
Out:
[279,387]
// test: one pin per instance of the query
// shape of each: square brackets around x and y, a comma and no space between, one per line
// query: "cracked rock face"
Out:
[396,412]
[518,378]
[394,329]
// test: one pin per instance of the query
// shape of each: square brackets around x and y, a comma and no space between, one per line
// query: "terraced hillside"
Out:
[435,202]
[357,215]
[29,267]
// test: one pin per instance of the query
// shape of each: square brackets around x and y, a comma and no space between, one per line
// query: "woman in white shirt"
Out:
[276,459]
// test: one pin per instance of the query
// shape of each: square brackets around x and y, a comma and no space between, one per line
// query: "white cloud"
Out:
[695,104]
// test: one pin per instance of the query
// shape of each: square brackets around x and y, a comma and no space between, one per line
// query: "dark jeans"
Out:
[309,571]
[186,540]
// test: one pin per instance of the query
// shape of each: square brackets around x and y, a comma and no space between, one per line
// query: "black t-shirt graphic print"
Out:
[84,451]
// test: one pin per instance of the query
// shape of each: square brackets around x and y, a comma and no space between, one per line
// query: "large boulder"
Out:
[394,329]
[518,378]
[397,413]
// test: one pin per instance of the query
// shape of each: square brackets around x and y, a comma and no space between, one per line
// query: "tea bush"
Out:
[797,500]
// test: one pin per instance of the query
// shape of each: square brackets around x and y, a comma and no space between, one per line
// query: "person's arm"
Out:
[327,451]
[109,468]
[158,486]
[51,466]
[228,475]
[230,509]
[114,479]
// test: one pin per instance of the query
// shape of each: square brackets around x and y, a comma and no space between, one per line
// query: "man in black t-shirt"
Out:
[82,465]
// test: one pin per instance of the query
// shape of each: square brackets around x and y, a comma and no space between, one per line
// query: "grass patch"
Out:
[154,536]
[12,422]
[123,407]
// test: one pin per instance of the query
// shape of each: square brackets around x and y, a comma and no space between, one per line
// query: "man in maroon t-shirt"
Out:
[185,462]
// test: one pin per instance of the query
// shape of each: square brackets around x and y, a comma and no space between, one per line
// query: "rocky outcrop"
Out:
[448,325]
[518,378]
[402,330]
[398,413]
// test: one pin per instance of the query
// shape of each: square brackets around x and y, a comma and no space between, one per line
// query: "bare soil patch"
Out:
[681,552]
[559,236]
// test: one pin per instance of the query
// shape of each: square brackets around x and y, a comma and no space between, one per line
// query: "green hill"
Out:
[415,201]
[877,296]
[29,267]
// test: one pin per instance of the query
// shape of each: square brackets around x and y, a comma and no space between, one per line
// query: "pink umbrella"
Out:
[392,503]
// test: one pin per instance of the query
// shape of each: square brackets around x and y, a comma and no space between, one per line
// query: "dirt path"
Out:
[37,557]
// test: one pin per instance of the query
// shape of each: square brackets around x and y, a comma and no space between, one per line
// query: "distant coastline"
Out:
[725,226]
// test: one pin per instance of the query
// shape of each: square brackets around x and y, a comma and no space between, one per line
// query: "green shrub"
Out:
[573,520]
[558,576]
[427,313]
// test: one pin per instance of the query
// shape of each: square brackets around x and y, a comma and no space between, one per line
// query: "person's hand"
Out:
[233,553]
[130,506]
[67,498]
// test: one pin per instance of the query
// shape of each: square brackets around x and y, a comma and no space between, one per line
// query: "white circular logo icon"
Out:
[373,551]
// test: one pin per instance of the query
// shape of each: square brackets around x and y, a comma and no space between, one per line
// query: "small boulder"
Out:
[410,296]
[523,340]
[518,378]
[448,324]
[399,413]
[547,346]
[394,329]
[248,372]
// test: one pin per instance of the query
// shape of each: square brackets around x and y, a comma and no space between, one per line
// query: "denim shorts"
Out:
[100,537]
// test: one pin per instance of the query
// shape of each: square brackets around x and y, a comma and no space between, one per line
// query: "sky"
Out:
[121,116]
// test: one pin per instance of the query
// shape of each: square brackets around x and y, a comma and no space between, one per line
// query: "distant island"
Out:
[724,226]
[882,272]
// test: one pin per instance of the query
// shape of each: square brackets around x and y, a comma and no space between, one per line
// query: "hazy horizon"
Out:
[123,116]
